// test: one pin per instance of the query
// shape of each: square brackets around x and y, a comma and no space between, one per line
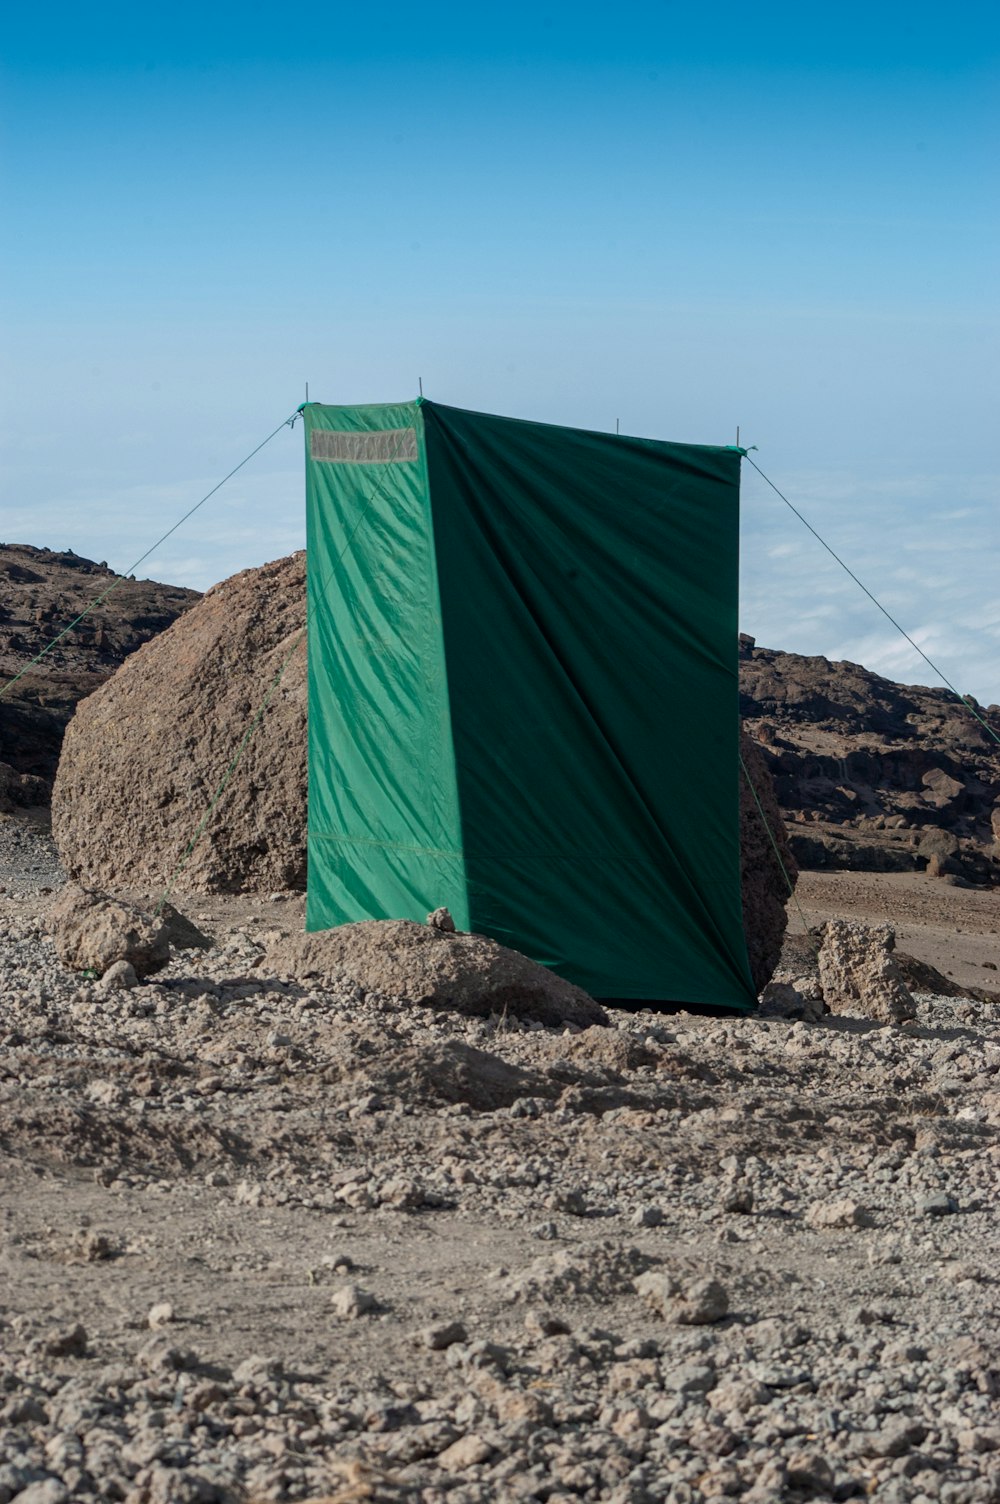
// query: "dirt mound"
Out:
[871,775]
[145,754]
[462,973]
[40,593]
[450,1071]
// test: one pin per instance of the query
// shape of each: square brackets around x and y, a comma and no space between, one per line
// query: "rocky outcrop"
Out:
[40,593]
[91,932]
[145,754]
[436,968]
[859,975]
[872,775]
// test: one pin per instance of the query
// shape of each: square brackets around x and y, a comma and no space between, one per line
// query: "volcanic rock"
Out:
[145,755]
[463,973]
[41,592]
[859,975]
[697,1302]
[91,932]
[871,775]
[115,939]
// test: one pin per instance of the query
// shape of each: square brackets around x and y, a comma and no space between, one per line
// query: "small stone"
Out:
[970,1440]
[737,1198]
[630,1422]
[356,1194]
[782,1000]
[93,1246]
[402,1193]
[647,1216]
[937,1206]
[544,1324]
[45,1491]
[897,1437]
[572,1201]
[350,1302]
[71,1343]
[810,1472]
[468,1451]
[121,976]
[690,1378]
[441,919]
[514,1407]
[158,1356]
[258,1369]
[160,1315]
[444,1334]
[838,1214]
[698,1302]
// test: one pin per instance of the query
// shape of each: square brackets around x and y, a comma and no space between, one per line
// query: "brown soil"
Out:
[243,1149]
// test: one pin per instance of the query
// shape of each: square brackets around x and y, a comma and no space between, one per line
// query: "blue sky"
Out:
[782,217]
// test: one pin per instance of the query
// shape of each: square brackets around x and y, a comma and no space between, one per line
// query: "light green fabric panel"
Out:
[384,832]
[588,588]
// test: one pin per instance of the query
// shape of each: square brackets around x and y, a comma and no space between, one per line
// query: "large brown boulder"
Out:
[145,754]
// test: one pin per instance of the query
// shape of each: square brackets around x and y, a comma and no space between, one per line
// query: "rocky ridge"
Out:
[872,775]
[41,591]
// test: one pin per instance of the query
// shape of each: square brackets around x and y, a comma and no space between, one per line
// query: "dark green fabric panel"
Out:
[384,833]
[588,590]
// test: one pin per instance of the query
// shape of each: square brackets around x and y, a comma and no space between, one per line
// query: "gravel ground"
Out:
[260,1242]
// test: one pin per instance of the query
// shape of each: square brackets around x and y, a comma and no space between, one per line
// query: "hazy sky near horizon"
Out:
[782,217]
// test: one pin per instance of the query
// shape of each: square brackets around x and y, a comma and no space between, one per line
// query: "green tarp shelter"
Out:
[523,692]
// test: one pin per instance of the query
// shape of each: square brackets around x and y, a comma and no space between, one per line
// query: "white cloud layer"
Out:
[925,546]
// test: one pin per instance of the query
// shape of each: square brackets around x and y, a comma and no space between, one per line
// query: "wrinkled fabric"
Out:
[523,693]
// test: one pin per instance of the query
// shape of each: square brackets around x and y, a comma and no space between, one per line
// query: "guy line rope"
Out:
[122,578]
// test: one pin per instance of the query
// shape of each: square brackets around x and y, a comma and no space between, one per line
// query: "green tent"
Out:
[523,692]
